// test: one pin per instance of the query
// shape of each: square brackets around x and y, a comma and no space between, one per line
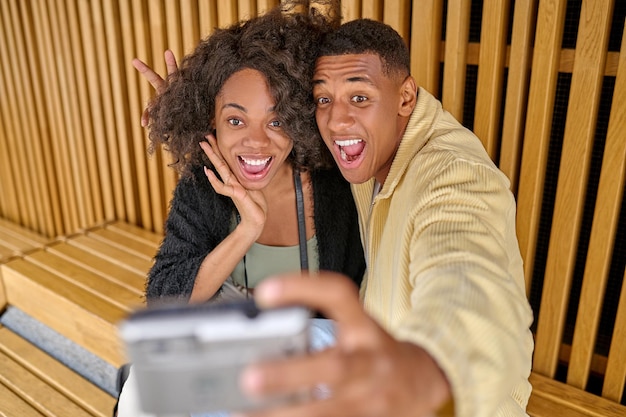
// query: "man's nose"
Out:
[339,116]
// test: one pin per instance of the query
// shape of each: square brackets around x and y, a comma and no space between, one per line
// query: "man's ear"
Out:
[408,95]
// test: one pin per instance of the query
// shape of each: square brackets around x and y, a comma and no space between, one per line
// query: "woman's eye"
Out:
[359,99]
[235,122]
[275,123]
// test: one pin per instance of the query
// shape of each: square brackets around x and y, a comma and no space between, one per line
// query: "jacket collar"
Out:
[416,134]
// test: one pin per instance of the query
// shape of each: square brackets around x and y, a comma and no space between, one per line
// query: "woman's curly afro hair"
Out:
[282,44]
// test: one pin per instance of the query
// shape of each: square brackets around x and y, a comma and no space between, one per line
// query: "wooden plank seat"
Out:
[32,383]
[79,286]
[16,240]
[83,285]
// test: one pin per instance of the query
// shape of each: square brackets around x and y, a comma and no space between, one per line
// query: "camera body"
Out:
[188,359]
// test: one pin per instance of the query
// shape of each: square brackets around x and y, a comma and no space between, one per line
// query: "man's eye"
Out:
[359,99]
[323,100]
[234,122]
[275,123]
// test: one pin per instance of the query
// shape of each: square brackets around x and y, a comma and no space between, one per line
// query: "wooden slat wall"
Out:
[575,160]
[73,154]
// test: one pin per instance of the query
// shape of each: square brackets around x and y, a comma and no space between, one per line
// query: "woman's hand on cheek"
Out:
[251,204]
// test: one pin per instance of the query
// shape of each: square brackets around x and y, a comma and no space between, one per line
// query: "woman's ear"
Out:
[408,95]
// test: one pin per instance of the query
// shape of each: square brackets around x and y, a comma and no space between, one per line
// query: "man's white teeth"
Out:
[255,161]
[343,154]
[347,142]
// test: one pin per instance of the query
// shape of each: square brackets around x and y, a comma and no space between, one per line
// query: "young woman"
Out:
[259,193]
[238,118]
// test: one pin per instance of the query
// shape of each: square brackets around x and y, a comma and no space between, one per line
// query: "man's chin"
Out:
[354,176]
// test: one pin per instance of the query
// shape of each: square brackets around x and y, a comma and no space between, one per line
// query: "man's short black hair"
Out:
[363,36]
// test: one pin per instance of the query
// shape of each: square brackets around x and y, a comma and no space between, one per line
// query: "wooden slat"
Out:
[578,139]
[455,56]
[265,5]
[85,147]
[109,156]
[603,234]
[14,405]
[137,233]
[6,253]
[106,269]
[207,13]
[14,243]
[72,150]
[55,374]
[246,9]
[226,12]
[550,21]
[8,201]
[26,102]
[96,192]
[36,392]
[50,204]
[425,45]
[190,29]
[138,264]
[491,74]
[174,43]
[397,15]
[96,102]
[121,241]
[615,378]
[517,89]
[132,29]
[116,65]
[72,311]
[371,9]
[27,236]
[551,398]
[16,150]
[127,299]
[44,22]
[158,171]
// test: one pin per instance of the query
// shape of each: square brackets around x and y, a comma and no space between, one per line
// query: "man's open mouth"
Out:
[350,149]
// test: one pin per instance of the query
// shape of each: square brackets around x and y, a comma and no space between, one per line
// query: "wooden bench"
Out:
[17,241]
[32,383]
[80,286]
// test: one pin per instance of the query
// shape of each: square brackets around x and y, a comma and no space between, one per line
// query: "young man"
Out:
[442,321]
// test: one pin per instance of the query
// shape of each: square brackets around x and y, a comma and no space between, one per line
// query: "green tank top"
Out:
[262,261]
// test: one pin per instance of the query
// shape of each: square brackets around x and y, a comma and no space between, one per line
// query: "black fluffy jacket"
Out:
[199,219]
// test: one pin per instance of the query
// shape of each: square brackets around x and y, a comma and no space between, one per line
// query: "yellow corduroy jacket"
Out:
[444,266]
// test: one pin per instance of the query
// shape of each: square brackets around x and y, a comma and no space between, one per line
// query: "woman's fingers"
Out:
[170,62]
[212,152]
[155,80]
[149,74]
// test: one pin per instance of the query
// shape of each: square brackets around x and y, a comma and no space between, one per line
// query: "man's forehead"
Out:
[348,65]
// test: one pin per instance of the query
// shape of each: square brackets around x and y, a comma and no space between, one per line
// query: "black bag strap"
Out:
[304,258]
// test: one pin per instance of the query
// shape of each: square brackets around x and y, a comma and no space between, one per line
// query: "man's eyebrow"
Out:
[359,79]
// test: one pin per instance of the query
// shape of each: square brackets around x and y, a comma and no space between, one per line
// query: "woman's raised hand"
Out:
[251,204]
[158,82]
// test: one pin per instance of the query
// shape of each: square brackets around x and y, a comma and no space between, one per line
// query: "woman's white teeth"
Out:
[255,161]
[347,142]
